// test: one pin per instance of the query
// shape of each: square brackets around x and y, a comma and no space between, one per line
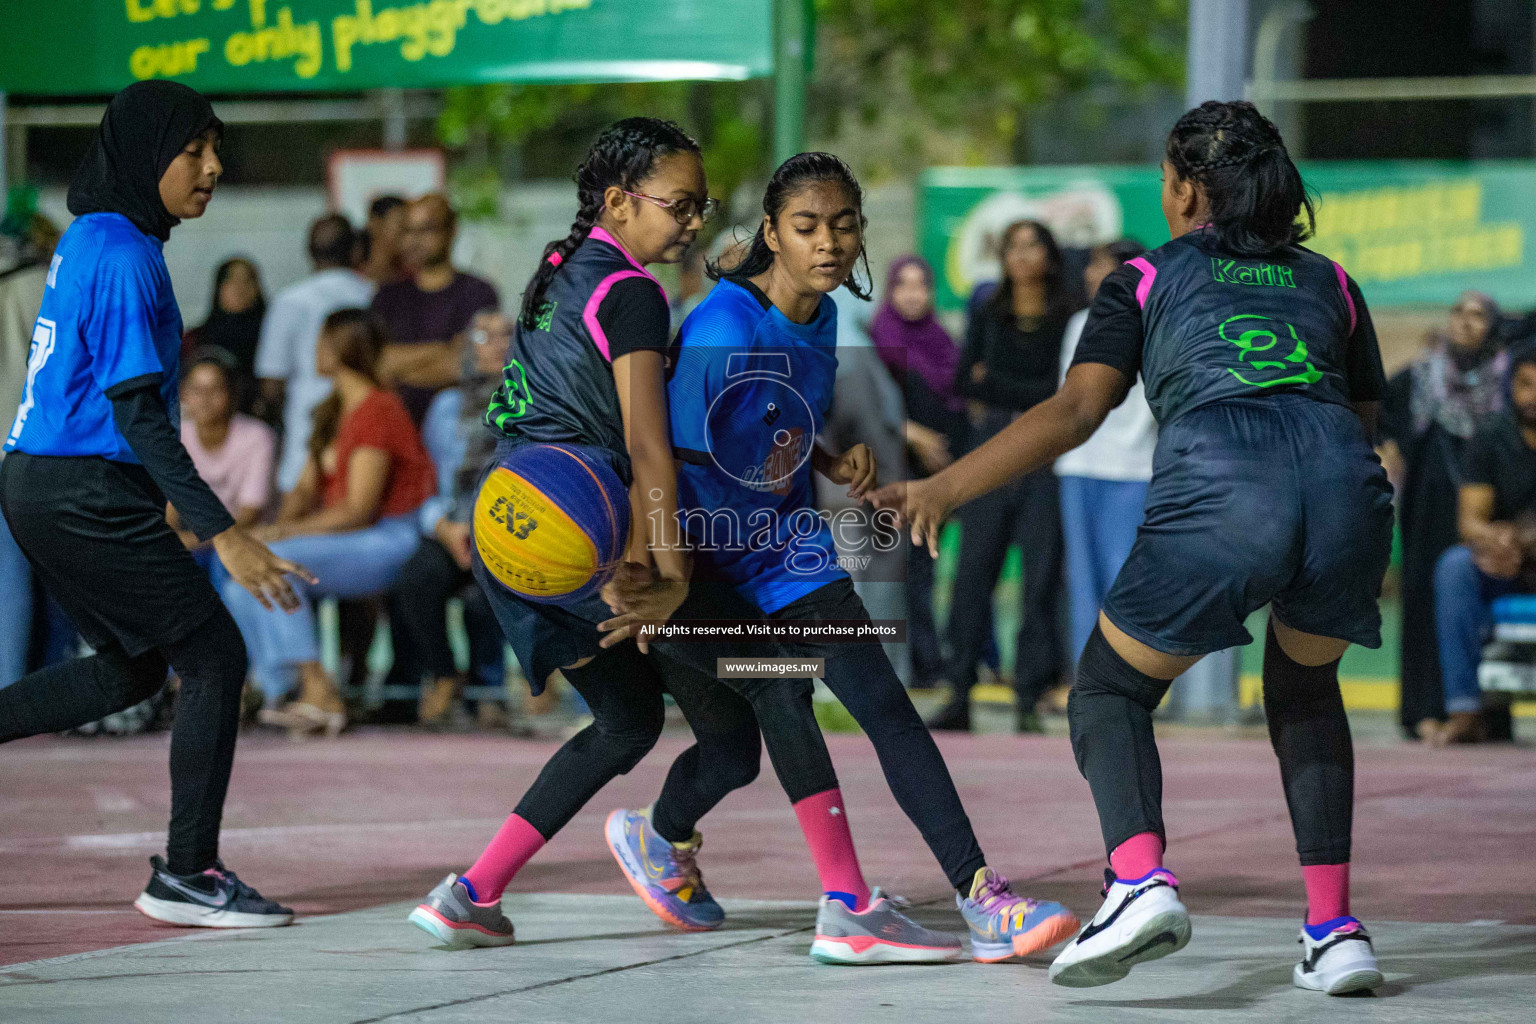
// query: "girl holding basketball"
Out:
[1262,368]
[749,395]
[587,373]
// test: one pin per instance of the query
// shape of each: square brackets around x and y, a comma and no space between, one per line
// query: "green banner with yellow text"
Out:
[1411,232]
[61,47]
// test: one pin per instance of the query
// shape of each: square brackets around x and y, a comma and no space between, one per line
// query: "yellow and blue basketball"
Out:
[551,523]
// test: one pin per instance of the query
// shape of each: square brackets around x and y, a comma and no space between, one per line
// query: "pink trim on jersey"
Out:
[602,235]
[1148,275]
[1349,300]
[589,314]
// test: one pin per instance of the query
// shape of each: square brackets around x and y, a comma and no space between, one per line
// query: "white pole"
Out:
[1218,68]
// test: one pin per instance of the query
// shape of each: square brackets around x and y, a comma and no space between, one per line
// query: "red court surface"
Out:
[380,816]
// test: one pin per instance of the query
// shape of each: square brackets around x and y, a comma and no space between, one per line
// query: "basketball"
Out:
[551,523]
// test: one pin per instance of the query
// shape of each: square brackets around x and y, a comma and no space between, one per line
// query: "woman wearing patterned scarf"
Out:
[1432,408]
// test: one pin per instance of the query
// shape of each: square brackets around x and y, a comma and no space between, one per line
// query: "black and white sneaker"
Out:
[1339,960]
[1140,920]
[215,898]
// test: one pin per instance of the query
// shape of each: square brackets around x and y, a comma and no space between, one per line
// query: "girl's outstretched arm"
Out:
[1046,431]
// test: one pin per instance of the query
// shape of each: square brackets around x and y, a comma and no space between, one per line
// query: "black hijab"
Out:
[235,333]
[145,127]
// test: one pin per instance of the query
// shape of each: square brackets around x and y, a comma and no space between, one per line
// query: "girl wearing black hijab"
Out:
[94,456]
[234,325]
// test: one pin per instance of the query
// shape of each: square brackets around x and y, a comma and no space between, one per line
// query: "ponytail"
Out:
[624,155]
[1258,202]
[793,175]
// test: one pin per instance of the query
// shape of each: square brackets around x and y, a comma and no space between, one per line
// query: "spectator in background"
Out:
[380,241]
[1432,409]
[1497,521]
[461,446]
[921,357]
[26,249]
[285,356]
[231,451]
[352,515]
[428,314]
[234,325]
[1103,482]
[1010,363]
[691,288]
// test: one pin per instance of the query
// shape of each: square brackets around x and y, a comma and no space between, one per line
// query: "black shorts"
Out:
[95,533]
[1275,500]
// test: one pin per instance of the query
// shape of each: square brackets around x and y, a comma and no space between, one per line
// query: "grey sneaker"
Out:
[879,935]
[455,920]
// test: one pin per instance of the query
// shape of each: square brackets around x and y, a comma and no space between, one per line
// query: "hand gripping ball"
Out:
[551,523]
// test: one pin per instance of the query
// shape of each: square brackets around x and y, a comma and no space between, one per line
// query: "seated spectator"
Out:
[428,313]
[234,325]
[1496,509]
[1430,412]
[233,452]
[285,356]
[351,520]
[461,446]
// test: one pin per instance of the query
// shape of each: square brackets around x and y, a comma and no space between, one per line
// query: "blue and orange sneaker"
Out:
[664,874]
[1005,924]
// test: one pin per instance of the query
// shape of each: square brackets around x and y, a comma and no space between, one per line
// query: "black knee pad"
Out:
[1289,683]
[1101,670]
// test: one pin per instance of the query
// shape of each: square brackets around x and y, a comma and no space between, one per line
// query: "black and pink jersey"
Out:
[558,385]
[1201,325]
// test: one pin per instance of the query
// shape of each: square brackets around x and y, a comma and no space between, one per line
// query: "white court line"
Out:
[112,801]
[57,912]
[154,840]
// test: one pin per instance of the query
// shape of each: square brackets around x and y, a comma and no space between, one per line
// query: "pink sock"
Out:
[1327,891]
[1138,856]
[509,850]
[825,825]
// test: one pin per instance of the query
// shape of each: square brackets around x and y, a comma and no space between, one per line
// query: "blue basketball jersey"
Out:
[108,316]
[749,392]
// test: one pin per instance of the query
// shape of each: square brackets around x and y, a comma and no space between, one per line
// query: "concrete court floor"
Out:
[352,833]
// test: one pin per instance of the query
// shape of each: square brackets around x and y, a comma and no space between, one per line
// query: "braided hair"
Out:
[1258,202]
[794,174]
[624,155]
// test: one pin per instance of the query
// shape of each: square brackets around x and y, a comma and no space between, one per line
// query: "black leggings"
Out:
[211,664]
[861,677]
[623,691]
[1110,711]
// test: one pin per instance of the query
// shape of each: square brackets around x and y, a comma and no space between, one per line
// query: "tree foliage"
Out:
[915,79]
[980,65]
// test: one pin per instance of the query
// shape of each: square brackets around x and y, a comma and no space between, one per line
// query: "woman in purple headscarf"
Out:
[922,357]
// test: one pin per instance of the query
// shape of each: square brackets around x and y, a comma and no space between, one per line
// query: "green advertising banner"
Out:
[1411,232]
[58,47]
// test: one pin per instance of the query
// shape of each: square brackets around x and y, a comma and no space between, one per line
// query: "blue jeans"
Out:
[1463,594]
[15,608]
[356,564]
[1098,522]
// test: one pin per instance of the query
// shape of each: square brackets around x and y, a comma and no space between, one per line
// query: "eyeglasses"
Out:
[682,210]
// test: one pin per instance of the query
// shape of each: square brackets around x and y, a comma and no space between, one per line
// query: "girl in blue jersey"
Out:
[1262,369]
[586,369]
[93,457]
[749,394]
